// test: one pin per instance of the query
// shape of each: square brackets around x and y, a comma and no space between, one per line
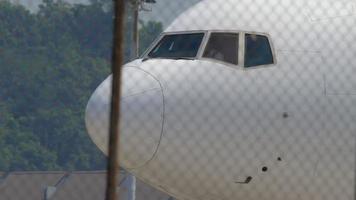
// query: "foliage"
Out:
[147,30]
[50,63]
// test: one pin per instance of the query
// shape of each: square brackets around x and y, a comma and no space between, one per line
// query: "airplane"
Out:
[241,99]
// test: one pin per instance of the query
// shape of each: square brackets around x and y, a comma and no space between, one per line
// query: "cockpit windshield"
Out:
[177,46]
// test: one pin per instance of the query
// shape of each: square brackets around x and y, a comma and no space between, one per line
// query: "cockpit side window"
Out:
[223,47]
[257,50]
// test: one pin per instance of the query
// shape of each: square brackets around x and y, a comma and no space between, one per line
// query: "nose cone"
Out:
[141,117]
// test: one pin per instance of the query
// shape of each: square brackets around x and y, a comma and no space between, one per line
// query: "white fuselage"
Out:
[199,129]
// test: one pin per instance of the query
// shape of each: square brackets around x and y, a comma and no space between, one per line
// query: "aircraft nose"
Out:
[141,117]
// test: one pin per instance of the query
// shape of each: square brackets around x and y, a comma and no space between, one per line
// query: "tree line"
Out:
[50,63]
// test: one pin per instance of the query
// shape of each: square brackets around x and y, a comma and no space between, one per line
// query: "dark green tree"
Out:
[148,33]
[50,63]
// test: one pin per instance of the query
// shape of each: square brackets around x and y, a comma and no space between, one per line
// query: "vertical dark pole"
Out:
[117,62]
[135,29]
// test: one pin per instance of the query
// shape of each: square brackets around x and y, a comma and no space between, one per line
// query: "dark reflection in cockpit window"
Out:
[223,47]
[257,51]
[177,46]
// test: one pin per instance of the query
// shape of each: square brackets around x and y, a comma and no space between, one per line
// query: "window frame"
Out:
[163,34]
[204,43]
[201,57]
[241,50]
[274,57]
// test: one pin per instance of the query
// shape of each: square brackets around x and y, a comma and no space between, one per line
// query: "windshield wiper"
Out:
[147,58]
[172,58]
[182,58]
